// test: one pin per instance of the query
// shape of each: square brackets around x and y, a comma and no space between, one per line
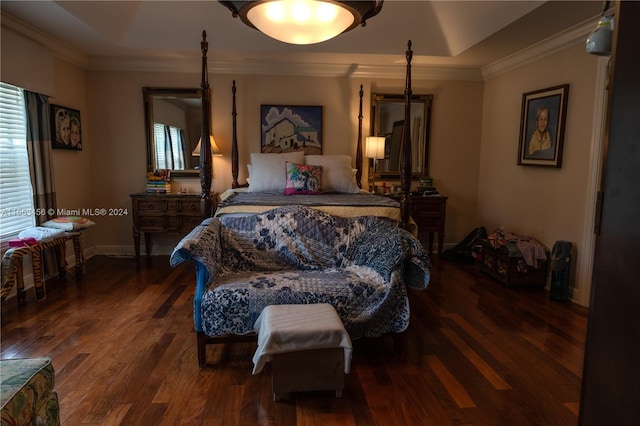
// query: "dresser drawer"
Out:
[424,217]
[189,207]
[173,206]
[183,206]
[148,223]
[426,206]
[190,222]
[182,223]
[145,206]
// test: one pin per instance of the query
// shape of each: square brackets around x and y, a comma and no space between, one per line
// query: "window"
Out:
[168,147]
[16,195]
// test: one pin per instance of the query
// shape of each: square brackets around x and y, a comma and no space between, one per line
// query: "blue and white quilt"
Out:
[362,266]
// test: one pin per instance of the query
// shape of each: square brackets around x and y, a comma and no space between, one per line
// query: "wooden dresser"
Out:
[429,213]
[165,213]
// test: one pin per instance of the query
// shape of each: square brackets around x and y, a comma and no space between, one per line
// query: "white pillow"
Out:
[337,173]
[268,172]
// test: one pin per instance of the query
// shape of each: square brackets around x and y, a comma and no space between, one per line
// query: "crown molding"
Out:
[184,64]
[75,57]
[286,68]
[565,40]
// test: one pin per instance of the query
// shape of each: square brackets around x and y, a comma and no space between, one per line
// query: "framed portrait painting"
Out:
[66,128]
[542,126]
[287,128]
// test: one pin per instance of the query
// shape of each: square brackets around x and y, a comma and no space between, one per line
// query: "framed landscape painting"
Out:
[287,128]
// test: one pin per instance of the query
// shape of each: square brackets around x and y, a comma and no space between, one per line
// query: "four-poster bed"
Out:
[403,214]
[303,251]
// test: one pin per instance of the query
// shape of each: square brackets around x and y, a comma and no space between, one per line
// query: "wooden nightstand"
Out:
[429,213]
[165,213]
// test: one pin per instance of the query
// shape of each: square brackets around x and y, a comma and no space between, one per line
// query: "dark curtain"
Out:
[41,168]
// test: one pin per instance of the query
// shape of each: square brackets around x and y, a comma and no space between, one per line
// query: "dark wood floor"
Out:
[476,353]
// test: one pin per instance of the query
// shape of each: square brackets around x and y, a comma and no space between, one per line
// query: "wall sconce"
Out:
[374,150]
[303,21]
[214,148]
[599,41]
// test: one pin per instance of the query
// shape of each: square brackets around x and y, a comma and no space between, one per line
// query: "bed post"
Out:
[405,164]
[359,146]
[205,132]
[234,143]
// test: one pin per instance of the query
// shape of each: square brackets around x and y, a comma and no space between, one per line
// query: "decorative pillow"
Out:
[303,179]
[268,172]
[337,174]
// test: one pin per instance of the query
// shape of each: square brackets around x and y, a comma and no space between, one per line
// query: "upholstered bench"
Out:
[12,262]
[26,392]
[307,345]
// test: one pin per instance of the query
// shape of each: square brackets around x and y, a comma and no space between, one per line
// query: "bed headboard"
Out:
[234,146]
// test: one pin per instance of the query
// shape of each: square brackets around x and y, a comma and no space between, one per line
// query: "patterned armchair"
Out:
[27,393]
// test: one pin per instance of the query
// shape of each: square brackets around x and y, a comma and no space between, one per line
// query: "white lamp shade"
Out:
[214,148]
[375,147]
[300,21]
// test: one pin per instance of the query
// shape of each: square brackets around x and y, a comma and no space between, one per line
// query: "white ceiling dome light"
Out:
[303,21]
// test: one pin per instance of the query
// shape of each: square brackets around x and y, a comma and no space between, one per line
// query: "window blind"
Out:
[168,147]
[16,195]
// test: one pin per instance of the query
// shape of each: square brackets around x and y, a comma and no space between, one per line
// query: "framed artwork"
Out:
[66,128]
[542,127]
[287,128]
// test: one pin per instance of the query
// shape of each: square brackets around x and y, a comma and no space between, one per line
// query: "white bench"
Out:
[307,345]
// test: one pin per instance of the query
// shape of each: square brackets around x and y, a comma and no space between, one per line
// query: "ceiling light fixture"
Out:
[303,21]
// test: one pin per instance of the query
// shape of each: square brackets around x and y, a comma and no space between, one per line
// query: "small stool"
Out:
[308,346]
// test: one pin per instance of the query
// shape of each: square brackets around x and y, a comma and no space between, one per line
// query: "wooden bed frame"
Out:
[206,173]
[205,157]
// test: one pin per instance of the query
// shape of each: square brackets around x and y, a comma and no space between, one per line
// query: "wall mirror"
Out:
[387,119]
[173,120]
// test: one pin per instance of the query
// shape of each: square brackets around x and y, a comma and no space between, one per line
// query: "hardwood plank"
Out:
[455,389]
[489,373]
[476,353]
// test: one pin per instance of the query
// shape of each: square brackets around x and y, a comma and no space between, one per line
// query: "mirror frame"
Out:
[426,100]
[148,94]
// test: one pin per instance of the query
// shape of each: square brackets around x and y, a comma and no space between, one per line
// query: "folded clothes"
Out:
[41,233]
